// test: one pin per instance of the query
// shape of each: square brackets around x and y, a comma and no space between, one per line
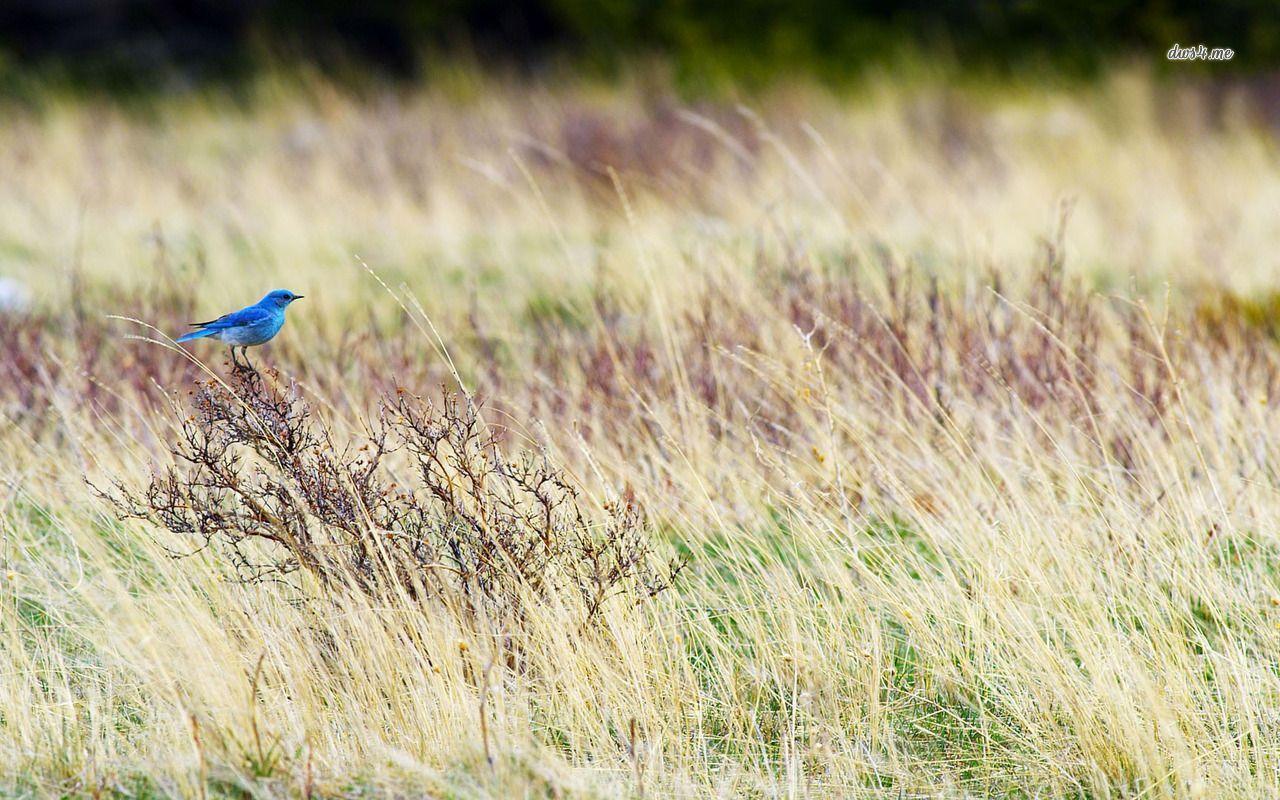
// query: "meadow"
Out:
[916,439]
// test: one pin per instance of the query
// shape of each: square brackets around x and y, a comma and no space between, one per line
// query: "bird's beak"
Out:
[298,296]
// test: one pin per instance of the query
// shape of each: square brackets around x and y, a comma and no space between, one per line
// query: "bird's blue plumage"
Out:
[254,325]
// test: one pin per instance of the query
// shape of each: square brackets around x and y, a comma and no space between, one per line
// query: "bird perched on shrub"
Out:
[254,325]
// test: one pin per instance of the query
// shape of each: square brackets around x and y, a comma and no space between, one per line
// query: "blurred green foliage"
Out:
[127,43]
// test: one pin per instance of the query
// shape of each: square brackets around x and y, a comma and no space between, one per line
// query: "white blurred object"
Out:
[15,297]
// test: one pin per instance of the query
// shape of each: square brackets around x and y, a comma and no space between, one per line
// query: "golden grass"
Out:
[973,504]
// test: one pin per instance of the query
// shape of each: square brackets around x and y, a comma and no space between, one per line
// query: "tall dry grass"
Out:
[960,404]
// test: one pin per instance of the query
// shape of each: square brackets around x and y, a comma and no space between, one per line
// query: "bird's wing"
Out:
[236,319]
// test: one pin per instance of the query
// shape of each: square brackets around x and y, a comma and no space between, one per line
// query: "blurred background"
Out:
[436,137]
[145,45]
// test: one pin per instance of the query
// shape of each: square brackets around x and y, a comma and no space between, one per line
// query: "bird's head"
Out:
[279,298]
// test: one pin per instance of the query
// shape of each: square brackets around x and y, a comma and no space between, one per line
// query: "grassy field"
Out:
[952,409]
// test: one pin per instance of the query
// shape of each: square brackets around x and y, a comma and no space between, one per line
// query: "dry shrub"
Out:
[259,478]
[662,148]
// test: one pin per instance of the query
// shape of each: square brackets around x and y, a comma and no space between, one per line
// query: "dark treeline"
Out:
[130,41]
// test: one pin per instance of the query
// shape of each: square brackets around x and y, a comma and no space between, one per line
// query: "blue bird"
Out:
[254,325]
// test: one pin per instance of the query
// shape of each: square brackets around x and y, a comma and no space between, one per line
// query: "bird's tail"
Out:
[186,337]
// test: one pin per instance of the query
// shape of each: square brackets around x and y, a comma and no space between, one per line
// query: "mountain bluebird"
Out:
[254,325]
